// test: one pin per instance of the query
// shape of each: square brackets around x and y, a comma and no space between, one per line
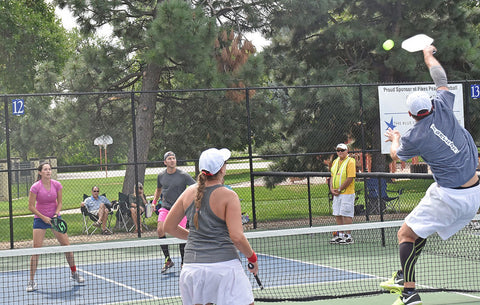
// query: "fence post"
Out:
[135,161]
[362,128]
[466,103]
[309,201]
[53,163]
[250,157]
[9,167]
[379,198]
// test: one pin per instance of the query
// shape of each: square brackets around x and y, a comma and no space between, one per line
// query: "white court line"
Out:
[121,285]
[459,293]
[468,295]
[367,276]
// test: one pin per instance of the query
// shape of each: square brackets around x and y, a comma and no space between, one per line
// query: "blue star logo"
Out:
[390,124]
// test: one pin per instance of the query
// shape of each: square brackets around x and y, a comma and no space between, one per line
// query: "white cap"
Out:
[212,159]
[418,101]
[342,146]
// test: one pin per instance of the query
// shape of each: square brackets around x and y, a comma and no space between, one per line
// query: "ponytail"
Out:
[202,177]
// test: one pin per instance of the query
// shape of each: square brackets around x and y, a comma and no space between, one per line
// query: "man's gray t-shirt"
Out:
[446,147]
[172,186]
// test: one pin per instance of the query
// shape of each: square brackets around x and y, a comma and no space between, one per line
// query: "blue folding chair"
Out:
[381,201]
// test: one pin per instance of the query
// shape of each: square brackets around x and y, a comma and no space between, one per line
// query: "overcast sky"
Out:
[68,22]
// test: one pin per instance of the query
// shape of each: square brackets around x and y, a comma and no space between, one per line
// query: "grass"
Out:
[284,202]
[289,202]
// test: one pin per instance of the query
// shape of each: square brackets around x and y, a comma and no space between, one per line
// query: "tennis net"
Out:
[295,265]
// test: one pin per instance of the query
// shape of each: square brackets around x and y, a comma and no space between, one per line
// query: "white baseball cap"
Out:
[418,101]
[342,146]
[212,159]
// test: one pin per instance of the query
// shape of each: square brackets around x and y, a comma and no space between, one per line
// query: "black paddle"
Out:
[250,266]
[59,225]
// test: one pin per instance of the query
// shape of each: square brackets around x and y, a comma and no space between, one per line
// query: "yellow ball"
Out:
[388,45]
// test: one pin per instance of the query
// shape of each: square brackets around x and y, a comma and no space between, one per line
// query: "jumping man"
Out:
[453,199]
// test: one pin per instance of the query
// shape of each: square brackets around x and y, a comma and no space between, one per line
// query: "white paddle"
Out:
[416,43]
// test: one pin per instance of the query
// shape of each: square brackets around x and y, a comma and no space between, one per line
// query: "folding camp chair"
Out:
[89,219]
[380,201]
[144,215]
[124,217]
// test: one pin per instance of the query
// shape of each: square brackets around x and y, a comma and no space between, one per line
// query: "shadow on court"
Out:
[66,295]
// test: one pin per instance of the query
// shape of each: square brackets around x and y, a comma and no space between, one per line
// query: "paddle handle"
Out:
[250,266]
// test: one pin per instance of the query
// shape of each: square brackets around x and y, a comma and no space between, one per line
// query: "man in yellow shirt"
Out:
[342,186]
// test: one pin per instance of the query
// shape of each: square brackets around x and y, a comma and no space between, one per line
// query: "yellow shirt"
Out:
[341,170]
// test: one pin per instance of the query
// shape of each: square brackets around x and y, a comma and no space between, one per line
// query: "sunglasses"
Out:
[341,150]
[96,191]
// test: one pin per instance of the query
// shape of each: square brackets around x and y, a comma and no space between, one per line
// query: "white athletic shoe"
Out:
[346,240]
[336,240]
[31,286]
[77,278]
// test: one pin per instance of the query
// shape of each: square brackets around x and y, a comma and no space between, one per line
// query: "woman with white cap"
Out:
[212,271]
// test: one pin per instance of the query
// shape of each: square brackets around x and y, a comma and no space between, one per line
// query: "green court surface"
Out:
[441,298]
[294,264]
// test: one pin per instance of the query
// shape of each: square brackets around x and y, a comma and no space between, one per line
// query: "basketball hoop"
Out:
[103,141]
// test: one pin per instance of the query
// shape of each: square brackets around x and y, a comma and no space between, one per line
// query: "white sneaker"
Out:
[336,240]
[77,278]
[31,286]
[347,239]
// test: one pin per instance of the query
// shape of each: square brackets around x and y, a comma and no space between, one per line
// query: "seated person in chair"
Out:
[132,199]
[98,206]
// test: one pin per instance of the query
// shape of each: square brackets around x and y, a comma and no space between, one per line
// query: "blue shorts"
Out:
[38,223]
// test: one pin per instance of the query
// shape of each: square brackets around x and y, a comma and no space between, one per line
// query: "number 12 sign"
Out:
[18,107]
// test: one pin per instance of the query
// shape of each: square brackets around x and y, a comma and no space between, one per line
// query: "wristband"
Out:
[154,202]
[253,258]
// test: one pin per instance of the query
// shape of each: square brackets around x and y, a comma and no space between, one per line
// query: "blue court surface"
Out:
[140,281]
[288,272]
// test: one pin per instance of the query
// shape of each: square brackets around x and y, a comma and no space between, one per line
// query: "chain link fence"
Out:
[114,139]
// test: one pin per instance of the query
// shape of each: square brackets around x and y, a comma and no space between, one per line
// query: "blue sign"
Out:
[475,91]
[18,107]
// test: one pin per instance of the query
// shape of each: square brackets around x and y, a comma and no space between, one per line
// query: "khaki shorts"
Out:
[343,205]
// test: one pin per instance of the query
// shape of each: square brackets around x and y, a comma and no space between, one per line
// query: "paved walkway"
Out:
[151,171]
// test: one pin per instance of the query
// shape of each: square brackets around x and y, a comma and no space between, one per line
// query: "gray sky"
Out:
[68,22]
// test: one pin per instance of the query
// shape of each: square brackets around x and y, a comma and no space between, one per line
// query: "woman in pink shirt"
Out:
[45,202]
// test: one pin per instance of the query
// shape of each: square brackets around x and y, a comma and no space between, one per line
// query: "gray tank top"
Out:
[211,243]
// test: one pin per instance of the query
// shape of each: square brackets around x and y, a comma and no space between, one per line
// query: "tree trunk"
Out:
[145,113]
